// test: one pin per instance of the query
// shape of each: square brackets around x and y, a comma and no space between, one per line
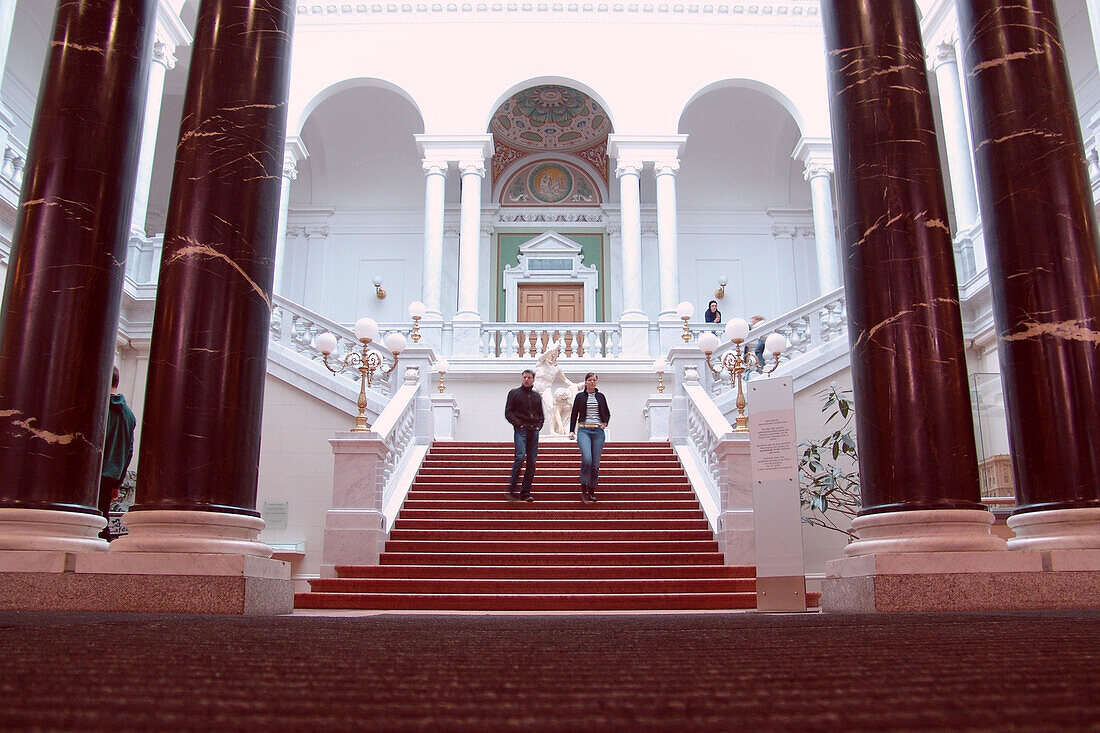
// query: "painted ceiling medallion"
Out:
[550,117]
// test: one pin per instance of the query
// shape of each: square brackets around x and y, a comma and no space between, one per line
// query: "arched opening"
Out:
[745,209]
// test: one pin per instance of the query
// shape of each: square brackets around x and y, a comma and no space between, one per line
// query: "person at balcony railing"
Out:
[590,407]
[547,371]
[713,315]
[523,409]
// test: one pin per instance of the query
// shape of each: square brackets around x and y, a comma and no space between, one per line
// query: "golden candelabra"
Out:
[366,361]
[738,360]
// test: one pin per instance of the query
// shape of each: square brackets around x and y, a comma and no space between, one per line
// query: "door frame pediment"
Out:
[550,258]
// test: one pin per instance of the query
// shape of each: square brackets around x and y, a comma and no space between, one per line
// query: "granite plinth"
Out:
[962,581]
[145,583]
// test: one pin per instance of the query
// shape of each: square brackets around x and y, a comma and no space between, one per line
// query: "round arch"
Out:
[754,85]
[540,80]
[333,89]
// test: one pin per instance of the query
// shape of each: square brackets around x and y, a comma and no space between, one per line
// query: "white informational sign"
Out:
[774,453]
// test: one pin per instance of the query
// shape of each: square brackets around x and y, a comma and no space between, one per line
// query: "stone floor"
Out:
[978,671]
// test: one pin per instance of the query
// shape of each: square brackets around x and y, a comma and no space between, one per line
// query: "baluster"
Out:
[7,170]
[17,172]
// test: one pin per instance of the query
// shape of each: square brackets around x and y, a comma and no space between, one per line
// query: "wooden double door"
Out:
[551,303]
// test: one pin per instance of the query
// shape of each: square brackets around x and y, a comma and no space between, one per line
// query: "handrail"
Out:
[396,427]
[297,327]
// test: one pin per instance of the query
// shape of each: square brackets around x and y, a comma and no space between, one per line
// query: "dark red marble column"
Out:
[61,300]
[916,440]
[1040,233]
[200,440]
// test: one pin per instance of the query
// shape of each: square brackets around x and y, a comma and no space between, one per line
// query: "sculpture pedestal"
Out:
[144,582]
[919,582]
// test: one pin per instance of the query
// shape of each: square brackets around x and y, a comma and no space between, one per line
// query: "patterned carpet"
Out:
[984,671]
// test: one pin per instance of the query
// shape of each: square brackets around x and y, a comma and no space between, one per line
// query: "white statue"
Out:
[546,373]
[563,406]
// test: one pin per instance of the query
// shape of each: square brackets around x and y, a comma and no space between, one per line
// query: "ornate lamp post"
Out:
[739,360]
[660,366]
[365,360]
[417,311]
[685,311]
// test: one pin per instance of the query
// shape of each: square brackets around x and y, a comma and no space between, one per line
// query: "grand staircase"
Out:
[460,544]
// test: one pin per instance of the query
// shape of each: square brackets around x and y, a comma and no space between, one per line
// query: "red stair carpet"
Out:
[459,543]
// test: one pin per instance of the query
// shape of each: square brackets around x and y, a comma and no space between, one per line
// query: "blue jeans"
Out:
[527,449]
[590,441]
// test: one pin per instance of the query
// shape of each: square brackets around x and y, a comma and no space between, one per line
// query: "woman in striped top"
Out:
[590,407]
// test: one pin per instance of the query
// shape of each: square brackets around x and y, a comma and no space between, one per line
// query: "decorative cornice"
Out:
[509,216]
[759,12]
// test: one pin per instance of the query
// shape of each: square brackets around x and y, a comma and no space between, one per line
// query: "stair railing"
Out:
[296,327]
[810,326]
[396,428]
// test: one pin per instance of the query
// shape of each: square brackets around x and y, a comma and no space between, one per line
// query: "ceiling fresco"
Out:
[550,117]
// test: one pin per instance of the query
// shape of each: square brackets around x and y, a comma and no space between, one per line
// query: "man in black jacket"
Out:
[524,410]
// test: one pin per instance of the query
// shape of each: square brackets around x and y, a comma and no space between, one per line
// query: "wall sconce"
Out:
[379,291]
[721,291]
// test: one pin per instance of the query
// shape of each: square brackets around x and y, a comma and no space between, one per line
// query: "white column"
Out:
[163,61]
[314,288]
[469,239]
[786,288]
[964,192]
[630,198]
[821,193]
[667,247]
[290,173]
[435,172]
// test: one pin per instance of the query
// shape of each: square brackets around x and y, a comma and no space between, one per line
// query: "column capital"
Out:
[434,167]
[943,53]
[816,168]
[472,167]
[294,151]
[164,52]
[628,168]
[290,168]
[784,230]
[666,167]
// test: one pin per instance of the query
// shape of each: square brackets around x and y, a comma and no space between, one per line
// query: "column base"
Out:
[940,530]
[146,582]
[48,530]
[1058,529]
[158,530]
[922,582]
